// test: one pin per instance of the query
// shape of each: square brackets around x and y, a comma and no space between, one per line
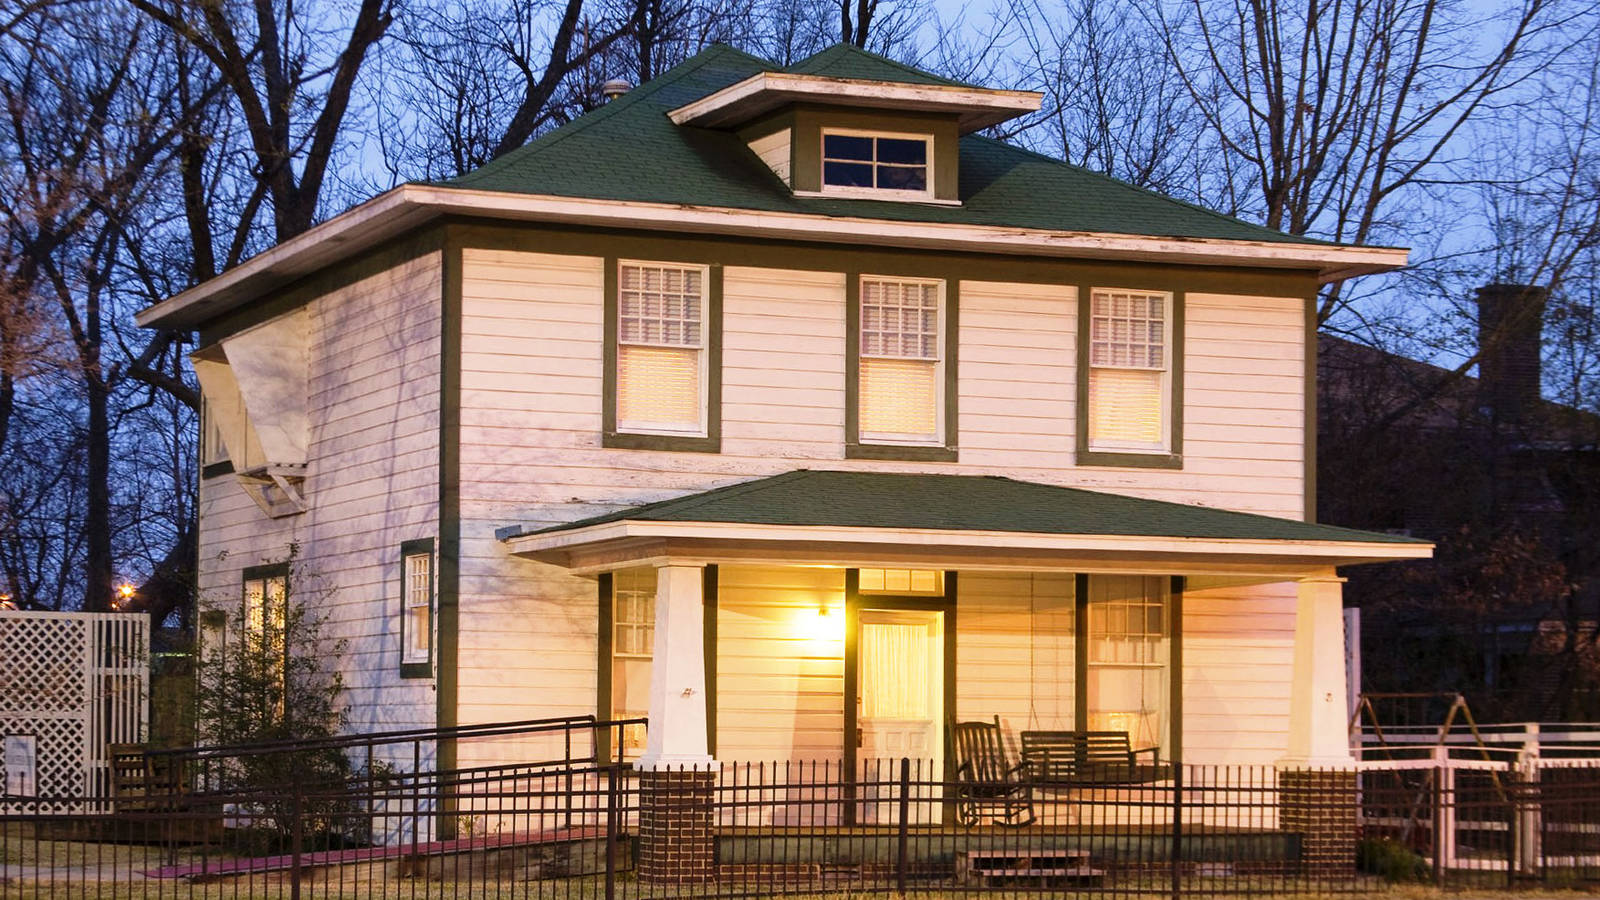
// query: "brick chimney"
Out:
[1510,327]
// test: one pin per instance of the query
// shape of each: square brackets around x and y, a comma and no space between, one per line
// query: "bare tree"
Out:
[87,127]
[1334,109]
[282,69]
[1113,101]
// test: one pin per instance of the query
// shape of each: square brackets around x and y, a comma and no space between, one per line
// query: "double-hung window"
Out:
[633,637]
[866,163]
[661,348]
[1130,370]
[416,607]
[1128,656]
[265,599]
[901,393]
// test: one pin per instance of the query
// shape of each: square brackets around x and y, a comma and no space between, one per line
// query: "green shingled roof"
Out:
[963,503]
[847,61]
[629,150]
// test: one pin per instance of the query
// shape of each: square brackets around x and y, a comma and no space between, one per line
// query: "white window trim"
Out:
[410,655]
[1168,330]
[940,401]
[617,622]
[704,350]
[860,193]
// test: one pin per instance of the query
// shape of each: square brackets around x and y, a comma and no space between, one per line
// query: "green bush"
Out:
[270,679]
[1391,860]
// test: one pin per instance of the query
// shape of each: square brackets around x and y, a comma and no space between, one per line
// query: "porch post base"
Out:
[1321,806]
[677,838]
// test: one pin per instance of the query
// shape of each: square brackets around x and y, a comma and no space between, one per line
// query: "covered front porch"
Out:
[852,617]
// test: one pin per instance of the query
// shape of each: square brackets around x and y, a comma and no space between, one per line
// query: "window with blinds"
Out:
[901,365]
[661,348]
[417,622]
[1129,364]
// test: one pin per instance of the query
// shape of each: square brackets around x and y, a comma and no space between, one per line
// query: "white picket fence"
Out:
[76,683]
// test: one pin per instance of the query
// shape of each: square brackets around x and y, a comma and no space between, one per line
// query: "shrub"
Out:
[1391,860]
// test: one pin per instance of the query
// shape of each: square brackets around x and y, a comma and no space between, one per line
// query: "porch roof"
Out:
[884,517]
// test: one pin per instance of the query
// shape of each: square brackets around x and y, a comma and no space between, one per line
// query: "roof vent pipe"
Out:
[615,88]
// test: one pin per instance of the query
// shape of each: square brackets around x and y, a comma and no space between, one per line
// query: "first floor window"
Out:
[661,355]
[633,635]
[266,597]
[1129,370]
[901,581]
[901,393]
[416,627]
[1127,650]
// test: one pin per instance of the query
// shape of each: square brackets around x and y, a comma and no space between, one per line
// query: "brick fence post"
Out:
[677,818]
[1320,805]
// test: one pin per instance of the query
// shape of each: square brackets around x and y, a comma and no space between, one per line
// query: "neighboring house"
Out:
[1407,446]
[782,407]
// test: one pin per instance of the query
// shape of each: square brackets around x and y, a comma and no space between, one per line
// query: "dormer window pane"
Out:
[903,152]
[875,163]
[848,174]
[844,146]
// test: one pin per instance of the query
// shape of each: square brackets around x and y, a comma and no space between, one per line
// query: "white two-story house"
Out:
[782,407]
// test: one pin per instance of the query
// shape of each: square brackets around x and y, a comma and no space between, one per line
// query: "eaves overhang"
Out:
[405,208]
[975,108]
[627,542]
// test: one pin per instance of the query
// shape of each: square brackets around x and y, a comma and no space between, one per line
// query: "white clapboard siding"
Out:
[373,402]
[531,451]
[783,363]
[1014,650]
[774,151]
[1017,376]
[1238,660]
[780,663]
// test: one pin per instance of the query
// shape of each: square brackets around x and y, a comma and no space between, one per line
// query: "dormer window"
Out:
[863,162]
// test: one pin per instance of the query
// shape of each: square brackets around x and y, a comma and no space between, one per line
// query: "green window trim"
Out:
[1172,458]
[269,570]
[613,438]
[854,446]
[420,547]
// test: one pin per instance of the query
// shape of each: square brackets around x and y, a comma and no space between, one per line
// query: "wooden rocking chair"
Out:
[987,782]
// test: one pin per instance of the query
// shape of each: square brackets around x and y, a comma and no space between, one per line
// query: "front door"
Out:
[900,706]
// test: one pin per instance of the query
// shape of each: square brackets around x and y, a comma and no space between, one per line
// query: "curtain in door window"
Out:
[894,671]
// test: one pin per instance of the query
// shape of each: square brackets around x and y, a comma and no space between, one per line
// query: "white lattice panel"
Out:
[77,682]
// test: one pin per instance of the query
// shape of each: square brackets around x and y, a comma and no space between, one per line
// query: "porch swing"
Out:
[991,784]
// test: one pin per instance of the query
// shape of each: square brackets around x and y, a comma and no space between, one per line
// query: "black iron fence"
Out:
[594,828]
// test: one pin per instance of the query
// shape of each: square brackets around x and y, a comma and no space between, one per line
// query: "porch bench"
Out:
[1089,757]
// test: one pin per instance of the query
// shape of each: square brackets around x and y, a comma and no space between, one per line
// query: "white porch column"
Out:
[676,736]
[1318,726]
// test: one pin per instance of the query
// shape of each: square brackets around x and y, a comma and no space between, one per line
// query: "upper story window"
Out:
[213,449]
[901,361]
[866,163]
[1130,369]
[661,355]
